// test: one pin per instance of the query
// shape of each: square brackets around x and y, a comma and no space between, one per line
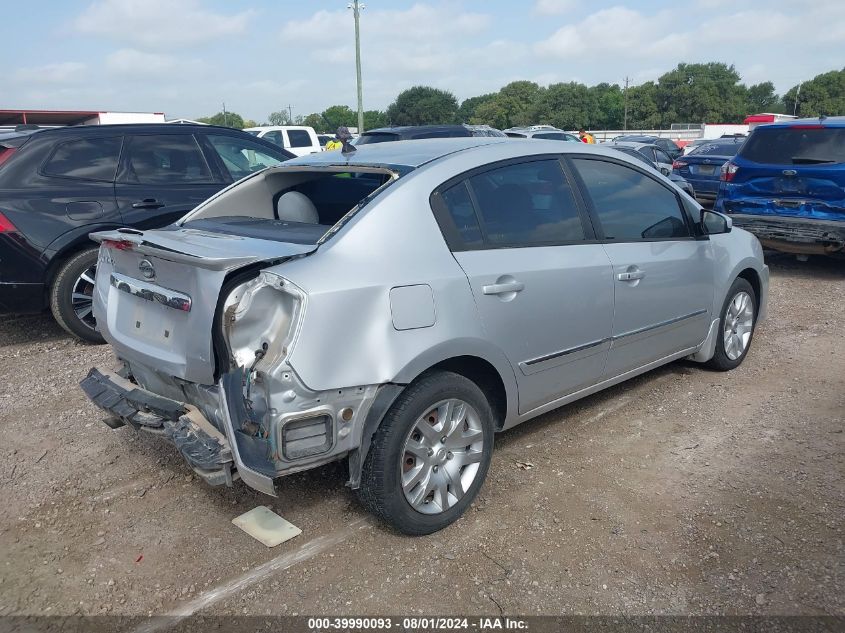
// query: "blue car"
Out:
[702,166]
[787,186]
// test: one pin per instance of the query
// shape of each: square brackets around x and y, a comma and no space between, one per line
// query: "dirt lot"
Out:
[684,492]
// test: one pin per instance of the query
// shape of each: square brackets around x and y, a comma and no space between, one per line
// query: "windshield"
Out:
[716,149]
[796,145]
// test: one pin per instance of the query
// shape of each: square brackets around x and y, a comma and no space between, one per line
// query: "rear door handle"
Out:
[147,203]
[500,289]
[631,275]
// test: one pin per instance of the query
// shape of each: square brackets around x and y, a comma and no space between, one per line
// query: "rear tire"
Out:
[73,283]
[736,326]
[430,455]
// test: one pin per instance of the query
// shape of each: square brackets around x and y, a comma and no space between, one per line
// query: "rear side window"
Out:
[662,157]
[165,159]
[527,204]
[299,138]
[274,136]
[88,158]
[631,206]
[552,136]
[241,157]
[795,145]
[462,212]
[379,137]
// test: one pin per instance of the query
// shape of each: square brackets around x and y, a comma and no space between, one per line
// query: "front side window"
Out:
[299,138]
[527,204]
[165,159]
[87,158]
[241,157]
[630,205]
[662,157]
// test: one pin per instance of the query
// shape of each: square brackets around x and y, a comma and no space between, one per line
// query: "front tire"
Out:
[72,296]
[736,326]
[430,455]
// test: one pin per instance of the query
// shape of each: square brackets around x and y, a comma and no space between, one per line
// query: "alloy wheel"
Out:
[82,299]
[739,322]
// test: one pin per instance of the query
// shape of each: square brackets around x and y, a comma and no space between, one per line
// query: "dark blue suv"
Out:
[787,186]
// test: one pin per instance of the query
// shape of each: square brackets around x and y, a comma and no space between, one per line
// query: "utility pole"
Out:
[797,94]
[356,7]
[290,113]
[625,99]
[225,116]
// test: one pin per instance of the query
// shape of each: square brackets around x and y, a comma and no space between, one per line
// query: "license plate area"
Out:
[705,170]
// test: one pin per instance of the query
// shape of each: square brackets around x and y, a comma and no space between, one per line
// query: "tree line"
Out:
[690,93]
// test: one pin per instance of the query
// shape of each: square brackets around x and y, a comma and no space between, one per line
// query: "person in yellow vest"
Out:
[335,143]
[586,137]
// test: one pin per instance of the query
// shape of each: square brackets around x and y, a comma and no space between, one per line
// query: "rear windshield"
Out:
[515,135]
[378,137]
[716,149]
[795,145]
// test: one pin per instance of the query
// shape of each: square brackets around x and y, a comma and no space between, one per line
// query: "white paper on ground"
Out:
[264,525]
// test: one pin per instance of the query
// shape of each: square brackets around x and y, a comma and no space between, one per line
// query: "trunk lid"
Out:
[157,291]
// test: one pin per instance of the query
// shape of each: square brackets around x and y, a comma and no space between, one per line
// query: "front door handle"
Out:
[147,203]
[631,275]
[500,289]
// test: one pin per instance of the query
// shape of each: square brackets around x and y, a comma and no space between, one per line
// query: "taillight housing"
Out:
[6,153]
[6,225]
[727,172]
[678,164]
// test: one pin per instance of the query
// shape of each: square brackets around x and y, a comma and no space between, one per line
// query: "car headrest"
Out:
[297,207]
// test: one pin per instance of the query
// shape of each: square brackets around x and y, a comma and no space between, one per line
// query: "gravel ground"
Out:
[683,491]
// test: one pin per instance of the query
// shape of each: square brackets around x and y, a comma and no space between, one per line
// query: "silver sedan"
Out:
[397,305]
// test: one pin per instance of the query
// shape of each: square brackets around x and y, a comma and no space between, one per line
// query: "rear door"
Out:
[662,275]
[300,142]
[161,178]
[541,281]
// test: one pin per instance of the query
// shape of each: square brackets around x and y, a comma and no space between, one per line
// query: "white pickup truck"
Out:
[299,139]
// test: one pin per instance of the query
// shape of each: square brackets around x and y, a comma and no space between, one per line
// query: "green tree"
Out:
[823,94]
[423,105]
[374,119]
[250,123]
[608,110]
[569,106]
[511,106]
[467,111]
[701,93]
[280,117]
[228,119]
[316,121]
[337,115]
[762,98]
[643,113]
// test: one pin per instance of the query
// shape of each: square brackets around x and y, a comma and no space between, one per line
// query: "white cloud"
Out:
[159,23]
[553,7]
[59,73]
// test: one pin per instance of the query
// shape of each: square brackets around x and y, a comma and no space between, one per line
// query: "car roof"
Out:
[133,127]
[410,129]
[411,154]
[633,144]
[278,127]
[831,121]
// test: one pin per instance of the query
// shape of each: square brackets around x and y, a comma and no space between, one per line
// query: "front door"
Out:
[662,275]
[541,283]
[161,178]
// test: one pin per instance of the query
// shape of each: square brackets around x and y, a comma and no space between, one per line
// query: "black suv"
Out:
[58,185]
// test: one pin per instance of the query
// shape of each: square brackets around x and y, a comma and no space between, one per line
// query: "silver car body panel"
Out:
[381,299]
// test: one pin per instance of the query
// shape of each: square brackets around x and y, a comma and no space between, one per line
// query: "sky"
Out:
[187,57]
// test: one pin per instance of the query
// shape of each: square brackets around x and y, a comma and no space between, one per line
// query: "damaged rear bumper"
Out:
[794,234]
[218,457]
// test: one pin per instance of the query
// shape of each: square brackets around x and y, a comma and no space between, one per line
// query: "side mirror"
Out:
[713,223]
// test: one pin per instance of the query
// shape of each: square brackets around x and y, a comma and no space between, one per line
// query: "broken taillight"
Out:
[728,171]
[678,164]
[121,245]
[6,225]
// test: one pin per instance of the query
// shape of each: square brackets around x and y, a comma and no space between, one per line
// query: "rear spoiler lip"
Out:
[271,250]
